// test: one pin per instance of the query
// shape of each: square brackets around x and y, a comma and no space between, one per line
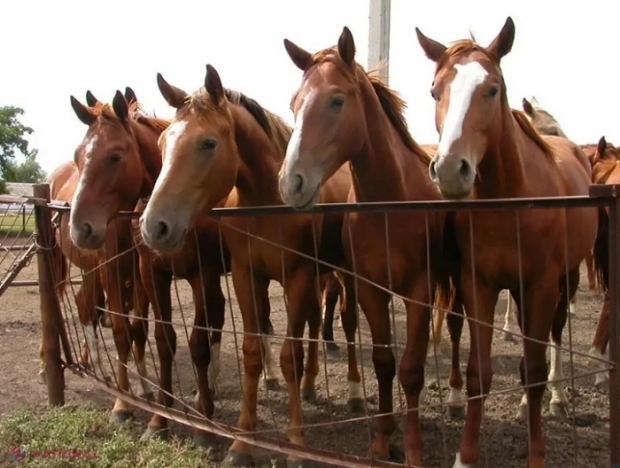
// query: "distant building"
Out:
[16,189]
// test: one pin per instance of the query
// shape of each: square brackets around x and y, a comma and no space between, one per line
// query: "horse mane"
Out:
[106,112]
[466,46]
[391,102]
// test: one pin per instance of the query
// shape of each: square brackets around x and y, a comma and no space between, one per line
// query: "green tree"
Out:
[12,140]
[29,171]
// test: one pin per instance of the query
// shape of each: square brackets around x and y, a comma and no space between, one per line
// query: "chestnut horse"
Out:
[344,115]
[224,145]
[605,170]
[489,151]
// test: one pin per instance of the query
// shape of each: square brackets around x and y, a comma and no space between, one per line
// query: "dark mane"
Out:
[467,46]
[391,103]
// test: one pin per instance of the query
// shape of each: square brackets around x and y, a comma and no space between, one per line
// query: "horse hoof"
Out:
[272,385]
[456,412]
[106,321]
[356,405]
[509,337]
[120,417]
[332,350]
[146,394]
[299,464]
[309,395]
[239,459]
[396,455]
[42,377]
[602,384]
[521,413]
[559,409]
[152,433]
[204,439]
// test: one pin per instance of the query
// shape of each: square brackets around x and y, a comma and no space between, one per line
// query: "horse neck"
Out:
[501,172]
[150,156]
[379,169]
[259,162]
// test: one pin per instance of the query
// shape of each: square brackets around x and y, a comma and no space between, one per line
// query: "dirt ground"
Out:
[579,441]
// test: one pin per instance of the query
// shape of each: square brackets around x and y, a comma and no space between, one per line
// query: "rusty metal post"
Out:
[614,329]
[51,316]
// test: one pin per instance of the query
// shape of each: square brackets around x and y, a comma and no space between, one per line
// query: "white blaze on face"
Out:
[89,147]
[468,77]
[294,144]
[171,137]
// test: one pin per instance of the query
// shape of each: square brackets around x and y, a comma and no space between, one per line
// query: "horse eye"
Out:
[337,101]
[115,158]
[493,91]
[209,144]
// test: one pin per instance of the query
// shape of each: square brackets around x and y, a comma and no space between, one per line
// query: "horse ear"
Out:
[174,96]
[130,95]
[119,104]
[502,44]
[213,85]
[534,101]
[83,113]
[434,50]
[91,100]
[346,46]
[300,57]
[602,146]
[527,107]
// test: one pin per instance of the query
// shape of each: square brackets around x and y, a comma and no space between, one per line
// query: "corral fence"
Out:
[61,338]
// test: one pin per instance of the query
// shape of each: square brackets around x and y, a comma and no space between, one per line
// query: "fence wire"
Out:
[170,308]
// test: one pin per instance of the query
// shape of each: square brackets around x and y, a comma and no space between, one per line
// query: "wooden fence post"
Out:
[51,316]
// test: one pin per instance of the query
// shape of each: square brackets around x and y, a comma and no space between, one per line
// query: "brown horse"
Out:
[344,115]
[487,151]
[223,145]
[201,261]
[605,170]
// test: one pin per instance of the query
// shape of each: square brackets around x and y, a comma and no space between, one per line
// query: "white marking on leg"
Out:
[214,366]
[468,77]
[422,396]
[455,397]
[270,372]
[355,391]
[556,377]
[459,464]
[145,386]
[572,306]
[507,329]
[601,378]
[522,411]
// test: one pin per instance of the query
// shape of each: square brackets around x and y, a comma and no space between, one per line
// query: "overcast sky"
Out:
[53,49]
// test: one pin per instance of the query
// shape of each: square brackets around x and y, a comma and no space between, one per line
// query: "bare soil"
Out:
[578,441]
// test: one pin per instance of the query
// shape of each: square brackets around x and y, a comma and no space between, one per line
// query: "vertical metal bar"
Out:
[614,332]
[379,36]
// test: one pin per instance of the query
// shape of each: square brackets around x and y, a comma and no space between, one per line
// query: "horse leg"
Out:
[303,307]
[348,312]
[507,332]
[205,349]
[88,298]
[539,309]
[456,402]
[592,283]
[329,299]
[599,344]
[140,333]
[411,369]
[375,305]
[251,291]
[157,287]
[311,370]
[270,374]
[480,307]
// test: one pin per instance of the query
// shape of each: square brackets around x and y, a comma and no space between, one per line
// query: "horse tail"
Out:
[601,250]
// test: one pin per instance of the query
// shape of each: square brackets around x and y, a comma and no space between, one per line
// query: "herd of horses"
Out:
[349,143]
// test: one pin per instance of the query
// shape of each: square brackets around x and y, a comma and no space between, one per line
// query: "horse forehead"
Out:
[467,77]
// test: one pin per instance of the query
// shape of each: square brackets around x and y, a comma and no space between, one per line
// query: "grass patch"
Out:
[82,429]
[15,223]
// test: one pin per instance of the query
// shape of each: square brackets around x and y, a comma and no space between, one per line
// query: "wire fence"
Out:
[204,350]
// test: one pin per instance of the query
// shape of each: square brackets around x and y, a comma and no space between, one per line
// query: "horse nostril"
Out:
[88,230]
[432,170]
[162,229]
[465,168]
[298,183]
